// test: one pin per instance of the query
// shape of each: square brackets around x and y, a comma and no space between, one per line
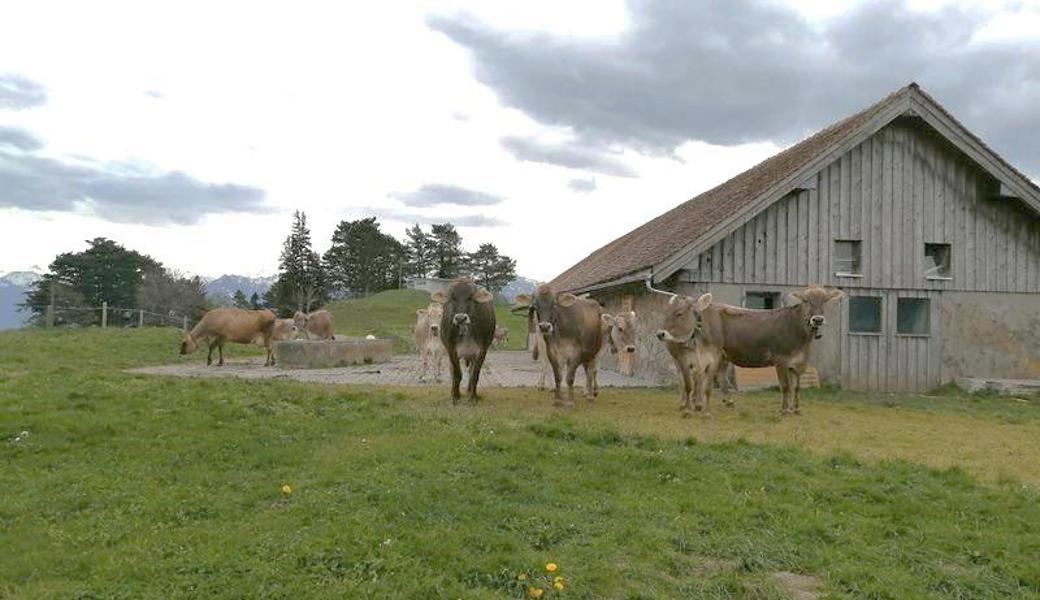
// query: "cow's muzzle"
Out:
[816,321]
[435,329]
[545,327]
[630,349]
[664,336]
[460,318]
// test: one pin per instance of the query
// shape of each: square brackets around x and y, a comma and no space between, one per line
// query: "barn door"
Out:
[891,340]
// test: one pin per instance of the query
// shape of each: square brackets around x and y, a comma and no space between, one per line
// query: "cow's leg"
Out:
[689,389]
[783,376]
[729,378]
[424,358]
[591,383]
[209,357]
[554,362]
[269,346]
[474,374]
[220,351]
[707,384]
[796,381]
[456,376]
[437,364]
[572,370]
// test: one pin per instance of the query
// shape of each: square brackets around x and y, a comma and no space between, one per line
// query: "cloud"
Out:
[154,94]
[582,185]
[744,71]
[437,194]
[19,139]
[403,216]
[572,155]
[17,92]
[112,191]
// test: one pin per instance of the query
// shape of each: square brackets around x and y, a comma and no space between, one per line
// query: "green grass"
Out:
[391,314]
[132,486]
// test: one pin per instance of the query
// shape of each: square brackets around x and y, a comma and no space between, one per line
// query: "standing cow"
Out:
[501,337]
[572,328]
[696,358]
[316,325]
[467,329]
[780,337]
[427,334]
[236,325]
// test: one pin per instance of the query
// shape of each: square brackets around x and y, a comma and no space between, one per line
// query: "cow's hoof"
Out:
[798,411]
[686,414]
[729,403]
[786,413]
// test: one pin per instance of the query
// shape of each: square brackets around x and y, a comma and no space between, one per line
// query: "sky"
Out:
[191,131]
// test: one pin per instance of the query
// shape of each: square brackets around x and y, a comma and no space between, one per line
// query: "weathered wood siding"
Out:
[903,187]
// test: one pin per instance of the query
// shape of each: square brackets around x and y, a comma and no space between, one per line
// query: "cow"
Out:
[316,325]
[501,337]
[572,328]
[284,329]
[781,337]
[427,335]
[619,332]
[467,329]
[696,360]
[235,325]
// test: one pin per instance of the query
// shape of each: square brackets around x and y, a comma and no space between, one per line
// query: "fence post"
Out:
[140,317]
[185,322]
[49,319]
[104,315]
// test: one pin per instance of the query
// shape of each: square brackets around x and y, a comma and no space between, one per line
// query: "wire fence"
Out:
[110,316]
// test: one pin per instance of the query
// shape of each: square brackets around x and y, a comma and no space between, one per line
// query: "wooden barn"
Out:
[934,238]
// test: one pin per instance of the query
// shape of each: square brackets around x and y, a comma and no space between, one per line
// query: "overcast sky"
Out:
[191,131]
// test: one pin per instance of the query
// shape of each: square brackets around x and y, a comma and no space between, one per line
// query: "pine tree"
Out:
[301,279]
[489,268]
[419,250]
[254,301]
[239,299]
[363,260]
[448,257]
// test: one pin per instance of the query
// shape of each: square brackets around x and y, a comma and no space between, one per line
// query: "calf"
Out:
[427,335]
[501,337]
[572,328]
[235,325]
[316,325]
[284,329]
[467,329]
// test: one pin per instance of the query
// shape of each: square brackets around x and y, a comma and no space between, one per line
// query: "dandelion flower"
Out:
[286,489]
[558,585]
[522,576]
[550,567]
[535,592]
[557,579]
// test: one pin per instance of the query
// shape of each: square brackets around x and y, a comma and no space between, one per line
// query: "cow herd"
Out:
[705,339]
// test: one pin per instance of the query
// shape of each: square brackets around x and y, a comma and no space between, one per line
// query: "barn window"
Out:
[762,300]
[864,314]
[912,316]
[937,261]
[847,257]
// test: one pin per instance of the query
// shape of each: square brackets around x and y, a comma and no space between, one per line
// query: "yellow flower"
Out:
[550,567]
[535,592]
[557,579]
[286,489]
[558,585]
[522,576]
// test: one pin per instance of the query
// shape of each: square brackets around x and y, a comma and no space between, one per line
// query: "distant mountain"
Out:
[520,285]
[222,289]
[12,292]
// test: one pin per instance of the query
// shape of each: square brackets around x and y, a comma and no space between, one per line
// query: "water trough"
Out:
[341,352]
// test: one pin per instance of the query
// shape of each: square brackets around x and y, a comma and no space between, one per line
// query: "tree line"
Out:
[362,260]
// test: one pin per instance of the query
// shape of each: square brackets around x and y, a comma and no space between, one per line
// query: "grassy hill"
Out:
[391,314]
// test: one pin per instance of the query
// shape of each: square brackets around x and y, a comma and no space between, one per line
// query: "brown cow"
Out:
[620,332]
[780,337]
[284,329]
[235,325]
[501,337]
[572,328]
[427,335]
[695,360]
[467,328]
[316,325]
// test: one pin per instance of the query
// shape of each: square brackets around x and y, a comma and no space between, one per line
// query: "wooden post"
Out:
[185,322]
[104,315]
[49,319]
[140,317]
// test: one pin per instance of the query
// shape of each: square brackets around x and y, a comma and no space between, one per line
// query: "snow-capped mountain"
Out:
[222,289]
[520,285]
[13,286]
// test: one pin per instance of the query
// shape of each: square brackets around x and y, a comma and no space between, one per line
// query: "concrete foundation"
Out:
[342,352]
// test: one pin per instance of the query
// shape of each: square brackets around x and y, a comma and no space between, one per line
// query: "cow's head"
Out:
[300,320]
[461,300]
[621,332]
[682,319]
[811,302]
[188,344]
[435,311]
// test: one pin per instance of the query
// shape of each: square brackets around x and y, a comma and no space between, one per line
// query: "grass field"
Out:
[130,486]
[391,314]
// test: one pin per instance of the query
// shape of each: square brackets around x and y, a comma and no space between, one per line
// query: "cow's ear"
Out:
[522,300]
[420,312]
[483,296]
[566,300]
[632,314]
[704,301]
[439,296]
[608,319]
[834,295]
[794,298]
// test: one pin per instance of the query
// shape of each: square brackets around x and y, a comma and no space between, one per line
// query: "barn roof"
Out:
[659,247]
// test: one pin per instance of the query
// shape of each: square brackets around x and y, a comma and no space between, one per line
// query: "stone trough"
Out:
[341,352]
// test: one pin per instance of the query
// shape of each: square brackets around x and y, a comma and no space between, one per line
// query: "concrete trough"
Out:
[341,352]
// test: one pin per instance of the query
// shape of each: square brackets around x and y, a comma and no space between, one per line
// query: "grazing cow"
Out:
[316,325]
[780,337]
[284,329]
[572,328]
[501,337]
[427,335]
[467,328]
[235,325]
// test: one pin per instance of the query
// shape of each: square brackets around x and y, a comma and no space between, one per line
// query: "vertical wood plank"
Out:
[885,254]
[877,199]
